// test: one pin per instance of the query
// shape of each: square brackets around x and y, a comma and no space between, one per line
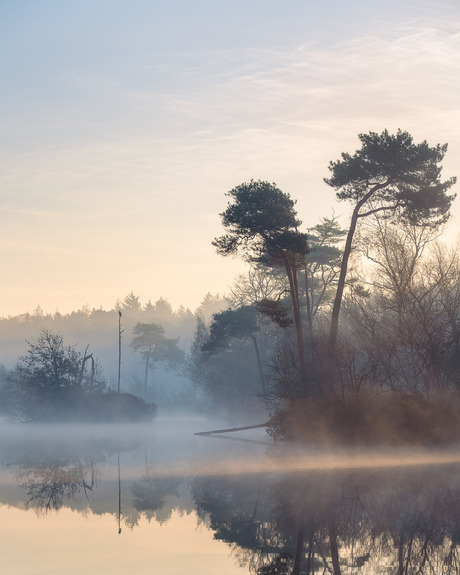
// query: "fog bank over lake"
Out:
[110,498]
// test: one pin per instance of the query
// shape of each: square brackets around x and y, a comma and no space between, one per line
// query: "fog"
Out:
[98,329]
[95,332]
[172,446]
[355,508]
[294,495]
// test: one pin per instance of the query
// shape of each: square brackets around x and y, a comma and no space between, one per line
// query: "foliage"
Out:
[391,173]
[111,408]
[262,224]
[50,383]
[409,326]
[50,482]
[241,323]
[48,377]
[211,304]
[259,213]
[393,176]
[400,331]
[276,310]
[98,328]
[131,304]
[259,283]
[395,520]
[150,340]
[229,378]
[238,323]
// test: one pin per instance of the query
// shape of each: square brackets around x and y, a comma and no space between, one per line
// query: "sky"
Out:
[123,125]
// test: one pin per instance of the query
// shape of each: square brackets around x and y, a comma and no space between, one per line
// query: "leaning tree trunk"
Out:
[346,256]
[341,283]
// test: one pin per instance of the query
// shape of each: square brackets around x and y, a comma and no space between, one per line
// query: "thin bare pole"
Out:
[120,331]
[119,495]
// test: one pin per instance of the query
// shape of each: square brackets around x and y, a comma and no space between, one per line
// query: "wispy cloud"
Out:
[136,159]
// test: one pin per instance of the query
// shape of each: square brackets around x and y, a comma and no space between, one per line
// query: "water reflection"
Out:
[374,522]
[397,520]
[49,484]
[53,466]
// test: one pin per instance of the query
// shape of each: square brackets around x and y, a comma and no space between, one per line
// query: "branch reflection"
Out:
[380,521]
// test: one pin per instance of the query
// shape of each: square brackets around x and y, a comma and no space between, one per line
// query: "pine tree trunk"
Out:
[341,283]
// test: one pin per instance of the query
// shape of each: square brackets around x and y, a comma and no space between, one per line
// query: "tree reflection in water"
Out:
[403,522]
[49,484]
[150,492]
[373,522]
[55,469]
[149,495]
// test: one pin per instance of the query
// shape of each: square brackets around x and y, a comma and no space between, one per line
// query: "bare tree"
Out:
[258,284]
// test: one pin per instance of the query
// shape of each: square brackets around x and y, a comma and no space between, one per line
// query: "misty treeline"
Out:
[347,333]
[51,382]
[66,366]
[339,332]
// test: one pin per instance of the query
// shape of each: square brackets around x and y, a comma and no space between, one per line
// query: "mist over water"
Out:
[255,498]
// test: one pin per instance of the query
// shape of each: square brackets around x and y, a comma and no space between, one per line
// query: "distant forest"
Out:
[98,329]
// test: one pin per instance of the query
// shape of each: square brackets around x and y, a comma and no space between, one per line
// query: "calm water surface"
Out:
[158,499]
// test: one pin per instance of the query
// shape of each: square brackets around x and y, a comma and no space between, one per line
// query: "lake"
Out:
[156,498]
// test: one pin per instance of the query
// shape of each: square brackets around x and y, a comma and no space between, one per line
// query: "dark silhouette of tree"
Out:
[277,566]
[276,310]
[262,225]
[241,323]
[150,340]
[47,377]
[391,175]
[229,378]
[51,383]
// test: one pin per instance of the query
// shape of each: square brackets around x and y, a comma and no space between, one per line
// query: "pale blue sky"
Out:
[123,124]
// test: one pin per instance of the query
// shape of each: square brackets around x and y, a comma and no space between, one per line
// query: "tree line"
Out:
[59,379]
[330,326]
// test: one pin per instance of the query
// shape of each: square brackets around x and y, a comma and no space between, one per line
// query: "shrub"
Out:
[386,419]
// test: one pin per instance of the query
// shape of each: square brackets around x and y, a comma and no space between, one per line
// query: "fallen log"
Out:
[231,429]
